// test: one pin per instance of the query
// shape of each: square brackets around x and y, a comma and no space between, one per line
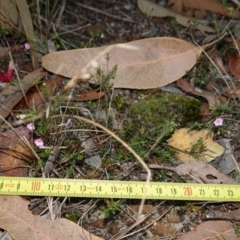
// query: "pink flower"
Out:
[39,142]
[218,122]
[22,116]
[27,46]
[30,126]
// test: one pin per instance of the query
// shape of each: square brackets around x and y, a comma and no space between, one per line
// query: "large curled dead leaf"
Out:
[143,64]
[21,224]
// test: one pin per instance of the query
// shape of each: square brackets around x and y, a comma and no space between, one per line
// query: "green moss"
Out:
[151,114]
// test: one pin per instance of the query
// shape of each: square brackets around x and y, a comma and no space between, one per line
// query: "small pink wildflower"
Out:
[22,116]
[218,122]
[30,126]
[39,142]
[27,46]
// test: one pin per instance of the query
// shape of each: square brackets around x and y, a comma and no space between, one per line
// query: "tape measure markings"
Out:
[117,189]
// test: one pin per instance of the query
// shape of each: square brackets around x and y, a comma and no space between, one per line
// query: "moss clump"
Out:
[148,116]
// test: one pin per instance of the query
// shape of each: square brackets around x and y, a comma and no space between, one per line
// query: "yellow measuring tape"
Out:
[117,189]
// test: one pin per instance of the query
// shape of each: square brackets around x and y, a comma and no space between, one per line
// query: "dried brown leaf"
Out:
[155,10]
[212,230]
[211,5]
[201,171]
[37,95]
[234,64]
[21,224]
[14,155]
[90,95]
[11,95]
[156,63]
[210,97]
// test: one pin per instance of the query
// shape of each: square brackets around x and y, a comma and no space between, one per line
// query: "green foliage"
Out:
[218,110]
[112,207]
[150,115]
[204,72]
[198,149]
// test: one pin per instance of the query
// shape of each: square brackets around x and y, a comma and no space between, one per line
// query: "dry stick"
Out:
[104,13]
[125,145]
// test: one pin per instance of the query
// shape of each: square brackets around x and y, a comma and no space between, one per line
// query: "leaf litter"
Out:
[174,51]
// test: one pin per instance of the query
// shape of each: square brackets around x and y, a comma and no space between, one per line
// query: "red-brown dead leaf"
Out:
[37,95]
[177,5]
[205,111]
[11,95]
[210,97]
[90,95]
[234,64]
[219,64]
[17,220]
[213,230]
[14,155]
[211,5]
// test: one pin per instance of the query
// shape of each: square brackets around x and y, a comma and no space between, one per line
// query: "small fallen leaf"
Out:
[11,95]
[211,5]
[14,155]
[210,97]
[234,64]
[37,95]
[232,216]
[90,95]
[184,140]
[219,64]
[205,111]
[151,66]
[155,10]
[201,171]
[21,224]
[212,230]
